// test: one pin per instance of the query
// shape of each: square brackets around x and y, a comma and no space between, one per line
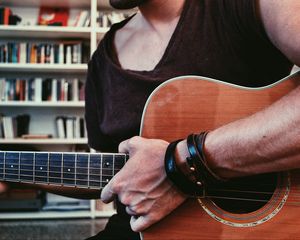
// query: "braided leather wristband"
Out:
[177,177]
[197,161]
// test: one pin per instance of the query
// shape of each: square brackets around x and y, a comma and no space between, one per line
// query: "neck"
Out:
[81,170]
[161,11]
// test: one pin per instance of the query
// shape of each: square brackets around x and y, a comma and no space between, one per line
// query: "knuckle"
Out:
[116,186]
[133,141]
[125,199]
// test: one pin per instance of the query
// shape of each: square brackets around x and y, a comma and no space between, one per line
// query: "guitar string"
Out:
[107,179]
[294,203]
[93,166]
[37,172]
[103,172]
[37,169]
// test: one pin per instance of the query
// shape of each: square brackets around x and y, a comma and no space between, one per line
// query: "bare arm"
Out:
[264,142]
[281,20]
[269,140]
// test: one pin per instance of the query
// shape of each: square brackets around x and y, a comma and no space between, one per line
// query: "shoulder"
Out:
[281,20]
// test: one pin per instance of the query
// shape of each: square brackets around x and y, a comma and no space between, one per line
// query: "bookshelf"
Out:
[43,113]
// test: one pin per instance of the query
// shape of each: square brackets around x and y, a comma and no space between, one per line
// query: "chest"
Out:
[142,50]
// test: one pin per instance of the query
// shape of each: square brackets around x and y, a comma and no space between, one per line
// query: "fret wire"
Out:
[101,164]
[19,164]
[48,163]
[113,168]
[89,158]
[76,155]
[62,167]
[33,168]
[4,165]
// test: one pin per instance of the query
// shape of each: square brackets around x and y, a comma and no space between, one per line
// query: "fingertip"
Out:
[139,223]
[122,147]
[3,187]
[107,194]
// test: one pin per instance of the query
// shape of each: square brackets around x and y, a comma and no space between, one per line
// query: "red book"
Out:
[7,13]
[53,16]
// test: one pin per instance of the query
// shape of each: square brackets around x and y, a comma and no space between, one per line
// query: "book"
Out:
[82,18]
[38,89]
[69,127]
[60,126]
[8,127]
[5,13]
[36,136]
[53,16]
[22,124]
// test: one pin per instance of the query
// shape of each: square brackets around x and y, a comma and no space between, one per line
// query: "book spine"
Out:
[61,133]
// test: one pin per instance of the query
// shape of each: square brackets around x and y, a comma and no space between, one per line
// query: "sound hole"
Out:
[244,195]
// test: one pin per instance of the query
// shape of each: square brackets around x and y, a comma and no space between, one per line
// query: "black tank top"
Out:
[221,39]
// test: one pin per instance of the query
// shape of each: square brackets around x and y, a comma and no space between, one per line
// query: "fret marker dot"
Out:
[69,169]
[41,168]
[107,163]
[11,166]
[107,180]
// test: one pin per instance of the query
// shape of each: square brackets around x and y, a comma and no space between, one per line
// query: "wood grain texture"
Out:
[193,104]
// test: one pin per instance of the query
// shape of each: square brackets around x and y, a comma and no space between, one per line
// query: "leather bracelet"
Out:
[197,160]
[174,174]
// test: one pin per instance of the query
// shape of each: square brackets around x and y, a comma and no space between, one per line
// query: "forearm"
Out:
[264,142]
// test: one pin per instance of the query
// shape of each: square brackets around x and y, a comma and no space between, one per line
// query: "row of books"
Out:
[67,52]
[83,19]
[38,89]
[18,127]
[106,19]
[12,127]
[71,127]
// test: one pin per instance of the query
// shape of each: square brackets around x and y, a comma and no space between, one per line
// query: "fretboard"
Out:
[82,170]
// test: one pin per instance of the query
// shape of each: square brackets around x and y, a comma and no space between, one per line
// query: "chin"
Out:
[126,4]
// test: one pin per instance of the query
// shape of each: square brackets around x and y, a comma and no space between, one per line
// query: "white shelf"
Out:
[42,104]
[44,141]
[103,4]
[46,3]
[46,68]
[51,32]
[44,113]
[54,214]
[102,30]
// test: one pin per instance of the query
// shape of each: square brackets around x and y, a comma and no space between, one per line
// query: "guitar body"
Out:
[191,104]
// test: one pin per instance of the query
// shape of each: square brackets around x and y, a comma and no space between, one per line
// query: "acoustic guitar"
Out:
[259,207]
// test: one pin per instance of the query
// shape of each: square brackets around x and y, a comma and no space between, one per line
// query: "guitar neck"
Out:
[81,170]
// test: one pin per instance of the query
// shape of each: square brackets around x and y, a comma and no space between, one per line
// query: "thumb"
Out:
[3,187]
[107,193]
[140,223]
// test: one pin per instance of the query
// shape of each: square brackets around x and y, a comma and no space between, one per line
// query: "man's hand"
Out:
[142,184]
[3,187]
